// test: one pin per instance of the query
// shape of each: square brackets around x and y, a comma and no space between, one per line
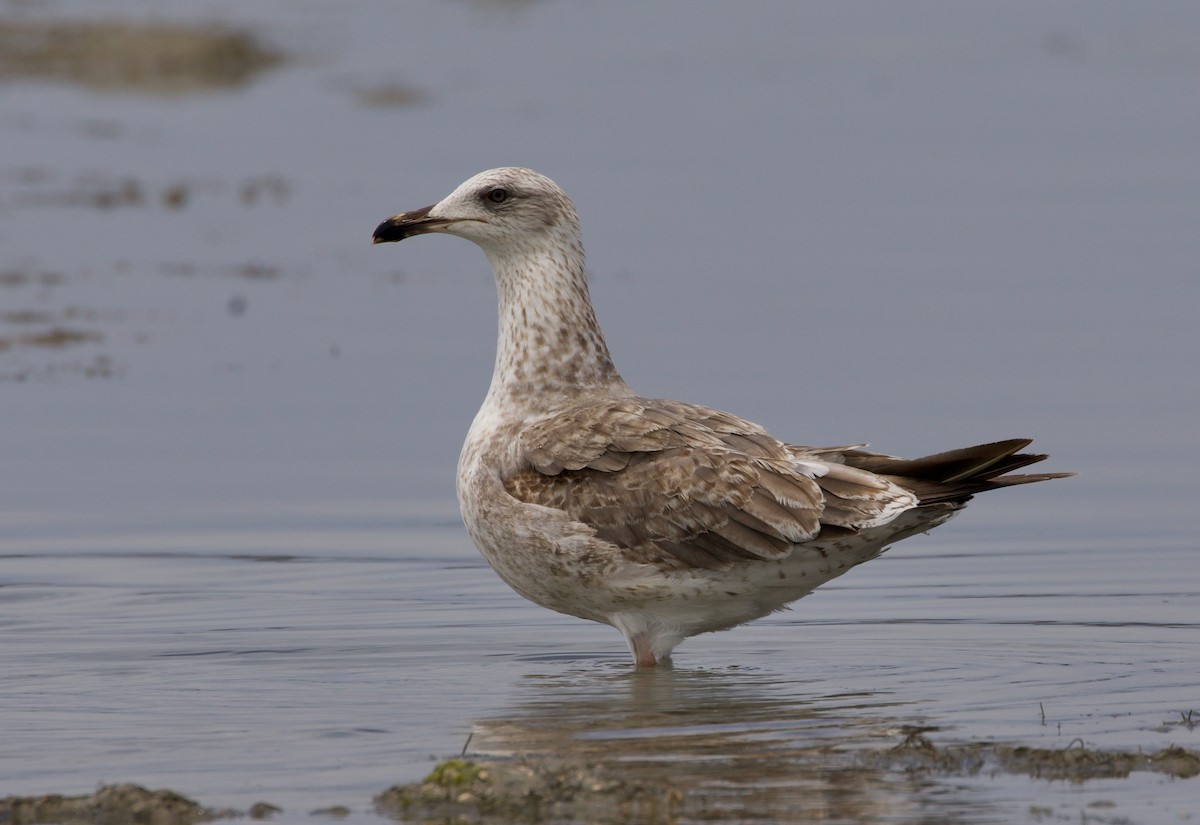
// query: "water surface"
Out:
[230,557]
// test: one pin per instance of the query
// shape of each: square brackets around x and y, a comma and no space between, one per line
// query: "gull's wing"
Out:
[666,479]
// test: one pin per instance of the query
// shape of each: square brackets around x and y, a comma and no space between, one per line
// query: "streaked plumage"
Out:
[661,518]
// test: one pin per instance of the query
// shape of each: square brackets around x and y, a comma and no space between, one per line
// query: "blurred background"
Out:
[921,225]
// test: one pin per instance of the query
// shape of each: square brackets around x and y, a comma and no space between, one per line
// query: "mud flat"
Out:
[116,56]
[465,791]
[1074,763]
[486,791]
[110,805]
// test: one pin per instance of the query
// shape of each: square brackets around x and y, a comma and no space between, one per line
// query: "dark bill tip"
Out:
[406,224]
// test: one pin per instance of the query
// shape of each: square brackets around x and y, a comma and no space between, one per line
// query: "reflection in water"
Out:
[737,743]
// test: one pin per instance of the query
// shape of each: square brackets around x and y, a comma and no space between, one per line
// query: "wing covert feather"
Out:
[665,479]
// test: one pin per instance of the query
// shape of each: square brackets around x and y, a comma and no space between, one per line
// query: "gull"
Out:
[661,518]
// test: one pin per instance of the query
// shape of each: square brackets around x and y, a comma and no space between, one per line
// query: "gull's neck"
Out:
[550,350]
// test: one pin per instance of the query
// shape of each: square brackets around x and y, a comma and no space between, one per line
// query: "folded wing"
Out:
[668,480]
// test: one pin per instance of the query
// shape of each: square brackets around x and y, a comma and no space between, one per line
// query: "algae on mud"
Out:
[462,790]
[513,790]
[504,790]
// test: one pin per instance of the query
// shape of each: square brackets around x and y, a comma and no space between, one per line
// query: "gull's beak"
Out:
[407,224]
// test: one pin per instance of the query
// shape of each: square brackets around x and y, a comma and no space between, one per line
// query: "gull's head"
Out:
[503,210]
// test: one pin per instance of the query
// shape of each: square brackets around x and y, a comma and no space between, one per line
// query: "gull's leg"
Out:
[643,656]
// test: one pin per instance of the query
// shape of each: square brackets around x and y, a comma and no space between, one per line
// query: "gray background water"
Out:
[230,557]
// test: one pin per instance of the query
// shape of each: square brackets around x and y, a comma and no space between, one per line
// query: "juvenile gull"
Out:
[660,518]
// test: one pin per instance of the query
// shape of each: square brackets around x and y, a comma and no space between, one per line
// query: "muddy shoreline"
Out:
[547,790]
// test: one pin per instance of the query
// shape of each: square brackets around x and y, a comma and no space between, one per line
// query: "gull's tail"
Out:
[957,475]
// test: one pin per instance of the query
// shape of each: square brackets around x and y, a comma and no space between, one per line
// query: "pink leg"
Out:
[643,656]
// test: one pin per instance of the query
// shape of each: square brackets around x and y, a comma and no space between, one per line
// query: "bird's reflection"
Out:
[735,741]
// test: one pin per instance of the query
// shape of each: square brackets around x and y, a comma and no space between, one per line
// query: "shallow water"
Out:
[230,557]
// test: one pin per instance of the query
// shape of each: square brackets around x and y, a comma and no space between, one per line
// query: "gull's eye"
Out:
[497,194]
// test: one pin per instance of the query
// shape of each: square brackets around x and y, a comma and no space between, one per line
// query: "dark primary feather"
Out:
[955,475]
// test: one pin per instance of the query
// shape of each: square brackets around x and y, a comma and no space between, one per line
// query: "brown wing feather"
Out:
[666,479]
